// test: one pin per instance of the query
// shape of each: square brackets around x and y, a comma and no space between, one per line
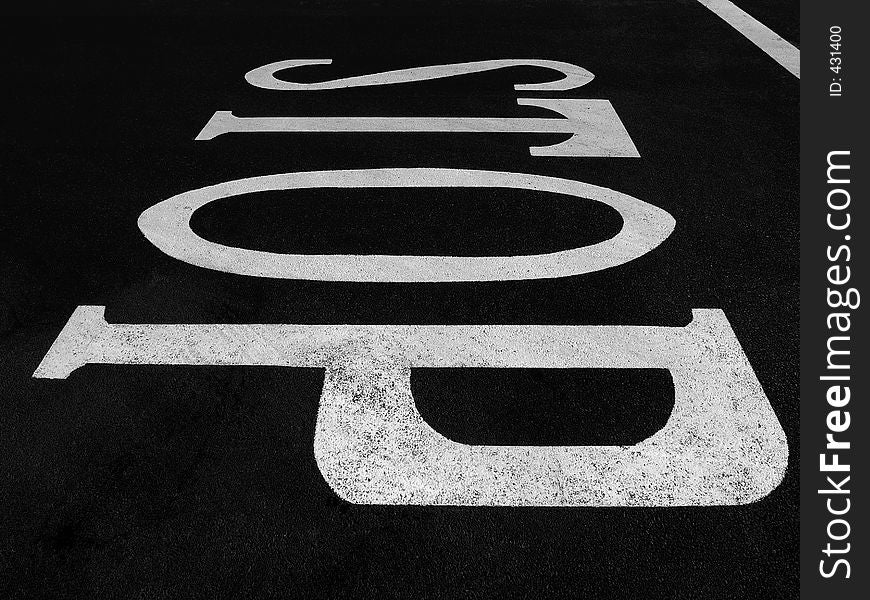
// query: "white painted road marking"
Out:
[574,76]
[759,34]
[721,445]
[595,128]
[167,226]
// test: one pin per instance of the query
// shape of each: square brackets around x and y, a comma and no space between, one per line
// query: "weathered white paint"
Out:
[758,33]
[573,76]
[167,226]
[595,128]
[722,444]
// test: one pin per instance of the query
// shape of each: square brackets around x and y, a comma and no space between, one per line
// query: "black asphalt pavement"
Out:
[170,482]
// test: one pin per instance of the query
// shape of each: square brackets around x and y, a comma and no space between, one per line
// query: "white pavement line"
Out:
[758,33]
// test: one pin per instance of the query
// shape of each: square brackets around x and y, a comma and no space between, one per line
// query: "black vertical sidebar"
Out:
[835,224]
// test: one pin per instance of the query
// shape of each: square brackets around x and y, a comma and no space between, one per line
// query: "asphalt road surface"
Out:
[160,480]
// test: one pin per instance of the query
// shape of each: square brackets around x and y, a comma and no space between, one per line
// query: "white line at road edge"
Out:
[759,34]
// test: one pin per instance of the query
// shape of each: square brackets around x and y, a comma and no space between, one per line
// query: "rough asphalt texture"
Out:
[127,482]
